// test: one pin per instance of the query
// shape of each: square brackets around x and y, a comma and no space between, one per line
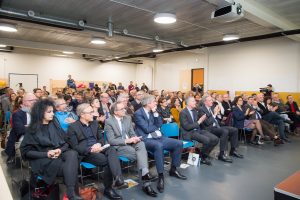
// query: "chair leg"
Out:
[81,175]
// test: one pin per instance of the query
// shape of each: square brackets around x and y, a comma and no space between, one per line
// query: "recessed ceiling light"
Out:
[157,50]
[230,37]
[97,41]
[117,57]
[68,52]
[8,27]
[165,18]
[2,46]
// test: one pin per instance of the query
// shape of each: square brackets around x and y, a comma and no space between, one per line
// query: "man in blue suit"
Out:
[20,120]
[148,123]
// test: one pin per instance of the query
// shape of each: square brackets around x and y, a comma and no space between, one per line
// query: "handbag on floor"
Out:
[193,159]
[88,193]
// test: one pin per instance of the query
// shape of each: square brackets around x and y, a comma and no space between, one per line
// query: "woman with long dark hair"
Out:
[45,148]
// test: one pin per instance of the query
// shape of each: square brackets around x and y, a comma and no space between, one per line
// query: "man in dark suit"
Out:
[20,120]
[227,105]
[148,123]
[86,138]
[190,129]
[121,136]
[223,132]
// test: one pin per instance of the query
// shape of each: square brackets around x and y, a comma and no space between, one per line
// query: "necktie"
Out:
[191,112]
[123,130]
[216,123]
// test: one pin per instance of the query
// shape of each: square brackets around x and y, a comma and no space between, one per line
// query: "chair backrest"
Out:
[170,130]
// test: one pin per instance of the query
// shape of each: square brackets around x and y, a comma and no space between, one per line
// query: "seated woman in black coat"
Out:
[45,148]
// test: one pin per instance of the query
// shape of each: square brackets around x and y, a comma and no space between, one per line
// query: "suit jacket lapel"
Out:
[117,125]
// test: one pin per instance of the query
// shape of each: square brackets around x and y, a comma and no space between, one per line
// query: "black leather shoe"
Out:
[111,194]
[161,184]
[10,160]
[149,191]
[236,154]
[205,162]
[224,158]
[287,140]
[148,177]
[177,174]
[119,183]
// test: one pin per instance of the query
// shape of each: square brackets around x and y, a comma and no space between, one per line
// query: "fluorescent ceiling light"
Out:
[117,57]
[157,50]
[230,37]
[165,18]
[97,41]
[68,52]
[8,27]
[2,46]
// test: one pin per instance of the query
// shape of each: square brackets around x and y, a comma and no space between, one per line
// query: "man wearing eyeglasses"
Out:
[20,120]
[86,138]
[120,134]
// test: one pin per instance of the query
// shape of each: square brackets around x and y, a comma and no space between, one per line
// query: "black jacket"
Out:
[187,125]
[79,141]
[35,146]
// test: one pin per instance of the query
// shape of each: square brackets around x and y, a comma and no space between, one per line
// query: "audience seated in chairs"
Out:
[212,125]
[48,153]
[241,120]
[271,116]
[268,129]
[190,130]
[164,110]
[148,123]
[294,113]
[84,136]
[120,135]
[20,119]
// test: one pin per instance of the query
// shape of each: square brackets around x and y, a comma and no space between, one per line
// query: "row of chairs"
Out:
[168,130]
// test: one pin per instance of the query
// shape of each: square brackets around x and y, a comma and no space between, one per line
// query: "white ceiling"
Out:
[193,24]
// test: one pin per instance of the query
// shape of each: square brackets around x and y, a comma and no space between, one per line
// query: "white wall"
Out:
[242,66]
[58,68]
[248,66]
[168,68]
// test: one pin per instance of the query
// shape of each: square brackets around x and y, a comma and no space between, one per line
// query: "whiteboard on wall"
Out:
[29,81]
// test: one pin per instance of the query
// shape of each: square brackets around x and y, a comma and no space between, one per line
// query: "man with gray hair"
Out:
[148,123]
[120,134]
[85,137]
[190,129]
[64,117]
[212,124]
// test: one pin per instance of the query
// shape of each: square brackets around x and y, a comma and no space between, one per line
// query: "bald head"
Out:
[28,100]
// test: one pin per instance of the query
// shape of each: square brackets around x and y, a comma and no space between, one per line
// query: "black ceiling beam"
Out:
[213,44]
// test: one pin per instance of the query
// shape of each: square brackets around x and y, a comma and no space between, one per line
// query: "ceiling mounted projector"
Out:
[228,13]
